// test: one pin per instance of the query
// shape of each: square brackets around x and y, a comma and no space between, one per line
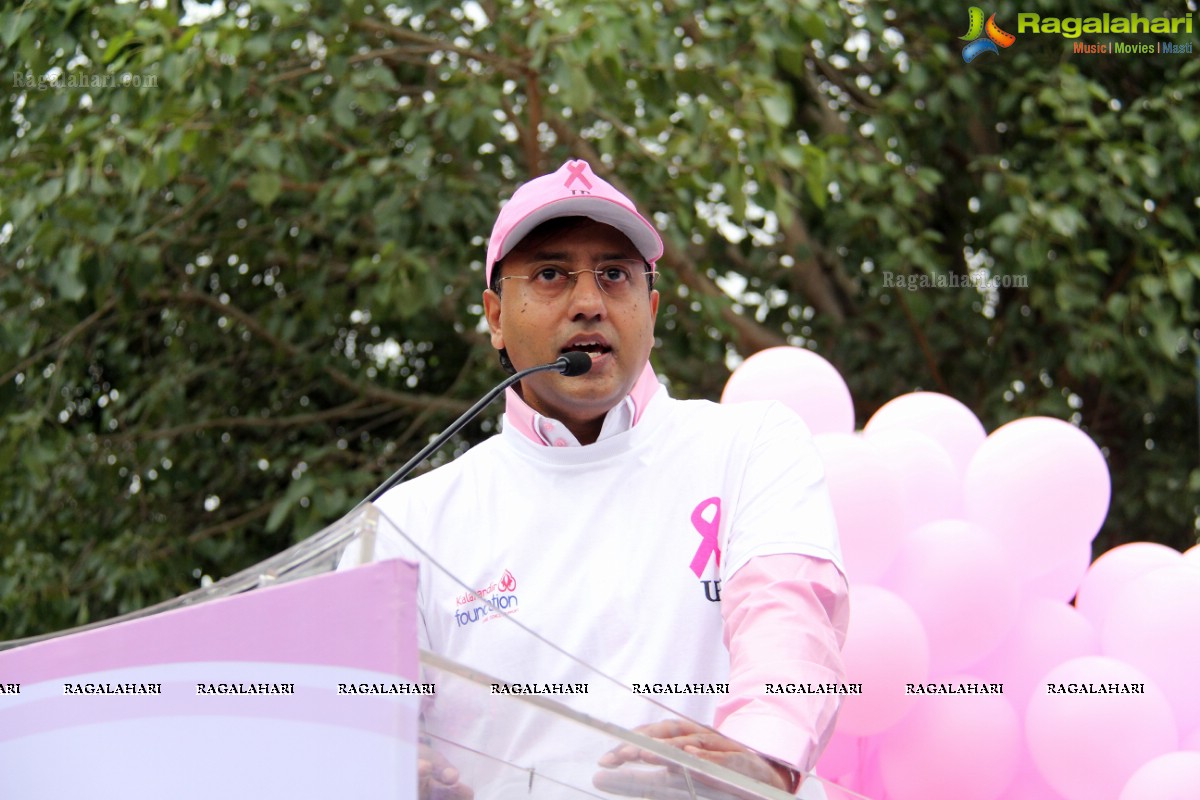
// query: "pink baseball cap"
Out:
[573,191]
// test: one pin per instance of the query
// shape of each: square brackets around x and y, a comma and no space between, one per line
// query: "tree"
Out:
[240,267]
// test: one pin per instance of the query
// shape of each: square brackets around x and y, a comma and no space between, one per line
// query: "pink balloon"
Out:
[885,649]
[835,792]
[1115,570]
[852,764]
[930,483]
[1191,741]
[952,747]
[1191,556]
[1173,776]
[1154,624]
[1029,783]
[1046,634]
[1088,745]
[1062,581]
[871,777]
[943,419]
[801,380]
[1043,487]
[958,579]
[841,758]
[866,492]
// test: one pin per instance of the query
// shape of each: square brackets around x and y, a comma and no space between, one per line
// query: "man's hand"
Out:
[437,778]
[624,776]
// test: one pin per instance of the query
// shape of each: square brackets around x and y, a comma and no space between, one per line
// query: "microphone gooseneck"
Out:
[568,364]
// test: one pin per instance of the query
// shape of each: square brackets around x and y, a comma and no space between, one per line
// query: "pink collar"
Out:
[550,432]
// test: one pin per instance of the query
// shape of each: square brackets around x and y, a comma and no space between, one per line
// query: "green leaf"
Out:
[342,107]
[1182,284]
[778,109]
[264,187]
[116,44]
[185,39]
[1118,307]
[77,175]
[344,194]
[290,499]
[1167,337]
[460,127]
[14,24]
[792,156]
[1071,297]
[65,274]
[1189,128]
[258,46]
[1193,264]
[1066,221]
[269,155]
[577,90]
[49,191]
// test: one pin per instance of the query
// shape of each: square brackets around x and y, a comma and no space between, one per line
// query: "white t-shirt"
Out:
[610,552]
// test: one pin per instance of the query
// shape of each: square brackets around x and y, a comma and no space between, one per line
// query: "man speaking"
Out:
[672,545]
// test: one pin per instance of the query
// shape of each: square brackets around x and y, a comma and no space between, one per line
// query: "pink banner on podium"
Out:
[304,690]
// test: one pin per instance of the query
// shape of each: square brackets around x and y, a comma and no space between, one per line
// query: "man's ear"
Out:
[491,310]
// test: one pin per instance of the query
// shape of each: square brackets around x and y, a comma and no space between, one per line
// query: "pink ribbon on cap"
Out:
[708,530]
[578,170]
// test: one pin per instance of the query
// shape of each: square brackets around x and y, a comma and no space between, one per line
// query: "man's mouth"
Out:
[593,347]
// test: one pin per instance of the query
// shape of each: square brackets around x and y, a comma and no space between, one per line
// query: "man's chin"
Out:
[585,398]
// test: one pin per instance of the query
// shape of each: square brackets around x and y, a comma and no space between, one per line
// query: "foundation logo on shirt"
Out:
[995,38]
[507,582]
[496,599]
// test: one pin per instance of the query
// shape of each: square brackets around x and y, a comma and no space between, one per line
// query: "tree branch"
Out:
[229,524]
[364,390]
[514,68]
[533,152]
[807,275]
[241,183]
[923,343]
[63,341]
[864,102]
[352,410]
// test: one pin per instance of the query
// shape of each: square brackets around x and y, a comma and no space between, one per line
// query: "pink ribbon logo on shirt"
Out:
[706,519]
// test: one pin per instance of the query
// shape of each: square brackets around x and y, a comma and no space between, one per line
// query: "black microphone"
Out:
[569,364]
[572,363]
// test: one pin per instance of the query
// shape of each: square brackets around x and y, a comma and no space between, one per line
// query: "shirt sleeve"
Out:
[785,621]
[782,504]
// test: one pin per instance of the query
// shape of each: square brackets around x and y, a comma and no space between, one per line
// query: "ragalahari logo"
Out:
[978,28]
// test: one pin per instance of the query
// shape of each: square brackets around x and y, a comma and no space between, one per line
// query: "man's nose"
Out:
[586,298]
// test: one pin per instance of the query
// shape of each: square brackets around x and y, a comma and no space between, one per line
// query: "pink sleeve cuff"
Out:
[785,622]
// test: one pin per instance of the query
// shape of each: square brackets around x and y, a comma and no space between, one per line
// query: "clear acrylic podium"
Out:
[498,741]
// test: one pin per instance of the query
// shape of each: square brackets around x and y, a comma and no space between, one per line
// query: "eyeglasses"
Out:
[619,279]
